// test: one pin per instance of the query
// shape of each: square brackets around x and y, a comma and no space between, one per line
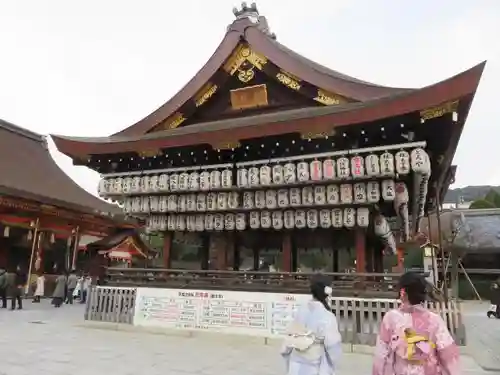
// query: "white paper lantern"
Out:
[136,204]
[194,181]
[145,204]
[173,181]
[372,165]
[388,190]
[253,176]
[383,230]
[201,202]
[154,184]
[420,161]
[136,185]
[127,205]
[215,179]
[163,206]
[144,184]
[229,222]
[295,197]
[277,172]
[289,173]
[117,185]
[312,219]
[360,193]
[343,170]
[241,221]
[219,222]
[337,218]
[200,223]
[127,185]
[260,199]
[149,224]
[182,203]
[387,164]
[333,194]
[211,201]
[401,207]
[346,196]
[248,200]
[191,202]
[163,182]
[254,220]
[316,170]
[302,171]
[265,219]
[108,186]
[373,192]
[329,167]
[222,201]
[265,175]
[300,219]
[349,217]
[172,203]
[402,161]
[242,177]
[209,222]
[102,188]
[289,219]
[227,178]
[363,217]
[180,223]
[233,200]
[277,220]
[163,223]
[191,223]
[283,200]
[205,181]
[325,219]
[154,203]
[271,199]
[307,196]
[171,222]
[358,166]
[320,195]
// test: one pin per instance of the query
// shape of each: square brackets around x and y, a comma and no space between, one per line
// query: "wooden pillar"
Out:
[401,260]
[167,247]
[360,246]
[286,248]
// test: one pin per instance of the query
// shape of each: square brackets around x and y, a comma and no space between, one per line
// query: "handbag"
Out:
[303,342]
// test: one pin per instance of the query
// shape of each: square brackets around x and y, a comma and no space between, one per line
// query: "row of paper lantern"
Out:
[344,194]
[290,219]
[372,165]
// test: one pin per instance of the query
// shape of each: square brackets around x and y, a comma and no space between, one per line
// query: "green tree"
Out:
[481,203]
[490,200]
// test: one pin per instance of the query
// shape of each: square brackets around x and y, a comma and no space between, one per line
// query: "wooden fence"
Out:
[359,318]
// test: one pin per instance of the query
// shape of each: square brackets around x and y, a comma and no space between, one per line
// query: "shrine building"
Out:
[268,160]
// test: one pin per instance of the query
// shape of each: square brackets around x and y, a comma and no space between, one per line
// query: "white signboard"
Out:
[254,314]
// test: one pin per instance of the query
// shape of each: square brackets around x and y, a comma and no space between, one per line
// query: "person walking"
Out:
[17,283]
[312,345]
[40,288]
[71,286]
[86,284]
[3,288]
[59,291]
[412,339]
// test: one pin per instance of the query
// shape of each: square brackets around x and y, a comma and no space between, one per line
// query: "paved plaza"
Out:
[44,340]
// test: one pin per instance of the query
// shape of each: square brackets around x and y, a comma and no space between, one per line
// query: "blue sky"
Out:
[92,67]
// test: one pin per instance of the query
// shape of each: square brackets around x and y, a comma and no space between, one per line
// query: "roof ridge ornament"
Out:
[252,13]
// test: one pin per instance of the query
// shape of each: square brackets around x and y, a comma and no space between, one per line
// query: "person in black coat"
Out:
[18,283]
[495,297]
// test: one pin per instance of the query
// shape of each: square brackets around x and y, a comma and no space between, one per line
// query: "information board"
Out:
[250,313]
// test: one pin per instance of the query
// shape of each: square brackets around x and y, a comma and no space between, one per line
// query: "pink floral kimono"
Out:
[440,357]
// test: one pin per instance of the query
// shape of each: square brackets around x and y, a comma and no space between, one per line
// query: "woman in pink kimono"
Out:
[412,339]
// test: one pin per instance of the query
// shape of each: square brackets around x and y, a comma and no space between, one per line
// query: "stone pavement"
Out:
[44,340]
[483,335]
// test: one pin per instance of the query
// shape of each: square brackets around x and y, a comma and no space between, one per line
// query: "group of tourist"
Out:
[412,340]
[67,287]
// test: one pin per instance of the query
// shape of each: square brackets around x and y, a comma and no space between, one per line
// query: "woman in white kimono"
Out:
[313,343]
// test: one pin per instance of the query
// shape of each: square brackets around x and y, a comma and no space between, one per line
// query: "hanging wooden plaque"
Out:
[249,97]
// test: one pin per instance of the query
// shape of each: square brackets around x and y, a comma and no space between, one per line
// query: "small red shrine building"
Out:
[268,159]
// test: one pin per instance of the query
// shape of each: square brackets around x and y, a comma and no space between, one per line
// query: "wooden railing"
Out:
[378,285]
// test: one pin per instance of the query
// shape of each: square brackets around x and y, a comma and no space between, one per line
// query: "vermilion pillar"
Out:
[167,246]
[360,246]
[286,248]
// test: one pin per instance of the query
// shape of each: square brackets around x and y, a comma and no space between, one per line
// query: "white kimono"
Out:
[323,324]
[40,286]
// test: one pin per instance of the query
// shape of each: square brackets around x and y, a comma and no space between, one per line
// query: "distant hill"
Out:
[469,193]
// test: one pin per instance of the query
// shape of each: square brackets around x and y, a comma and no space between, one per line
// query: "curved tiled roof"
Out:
[28,171]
